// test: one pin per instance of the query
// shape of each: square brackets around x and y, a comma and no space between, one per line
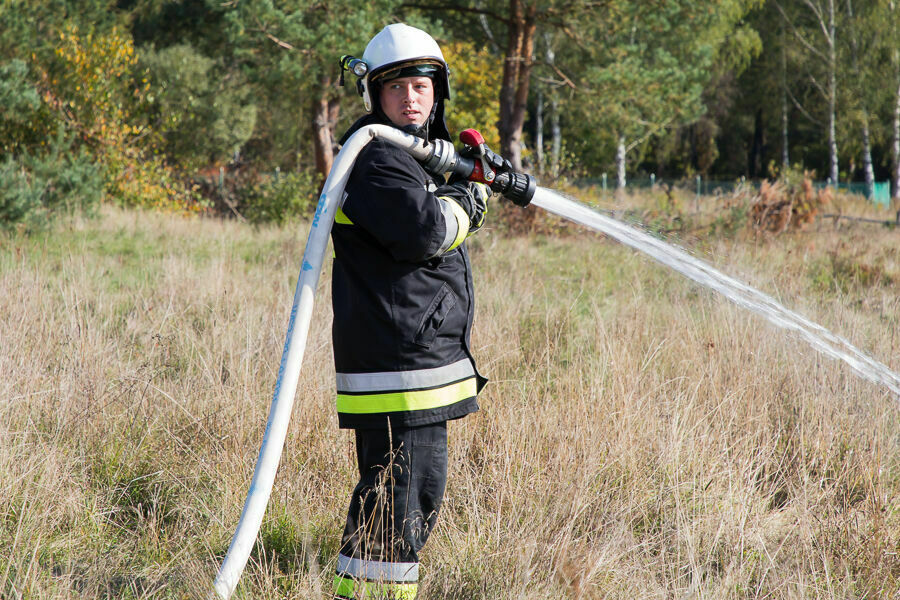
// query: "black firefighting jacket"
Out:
[403,303]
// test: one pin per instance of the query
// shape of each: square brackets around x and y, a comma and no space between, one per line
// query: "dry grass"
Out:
[640,438]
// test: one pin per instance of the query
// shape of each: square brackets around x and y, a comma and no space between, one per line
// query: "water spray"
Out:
[738,292]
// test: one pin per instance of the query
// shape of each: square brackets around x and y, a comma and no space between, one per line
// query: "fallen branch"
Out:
[895,222]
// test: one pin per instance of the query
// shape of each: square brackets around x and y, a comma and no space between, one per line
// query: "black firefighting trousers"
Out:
[403,473]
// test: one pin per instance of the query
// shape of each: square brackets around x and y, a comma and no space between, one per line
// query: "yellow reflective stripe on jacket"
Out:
[376,590]
[411,400]
[462,221]
[342,218]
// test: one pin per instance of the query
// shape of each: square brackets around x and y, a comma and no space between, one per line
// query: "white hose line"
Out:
[294,346]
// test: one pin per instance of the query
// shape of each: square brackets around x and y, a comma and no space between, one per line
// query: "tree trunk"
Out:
[867,145]
[539,132]
[785,148]
[896,149]
[832,96]
[867,157]
[516,78]
[755,160]
[620,164]
[324,112]
[556,131]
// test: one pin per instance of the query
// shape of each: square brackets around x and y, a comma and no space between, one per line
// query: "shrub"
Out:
[20,108]
[35,189]
[790,202]
[280,197]
[97,84]
[200,117]
[258,199]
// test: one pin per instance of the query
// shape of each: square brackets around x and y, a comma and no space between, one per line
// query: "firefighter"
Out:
[403,305]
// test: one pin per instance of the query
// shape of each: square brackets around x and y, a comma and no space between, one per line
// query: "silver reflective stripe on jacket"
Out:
[452,226]
[404,380]
[394,572]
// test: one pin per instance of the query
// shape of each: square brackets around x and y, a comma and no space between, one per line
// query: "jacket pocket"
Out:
[440,307]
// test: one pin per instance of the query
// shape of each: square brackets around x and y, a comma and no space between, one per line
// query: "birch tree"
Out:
[641,71]
[813,24]
[889,16]
[855,25]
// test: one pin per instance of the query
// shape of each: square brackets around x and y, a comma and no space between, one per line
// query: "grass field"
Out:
[641,438]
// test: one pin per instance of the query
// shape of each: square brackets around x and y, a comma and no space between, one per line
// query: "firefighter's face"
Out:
[407,100]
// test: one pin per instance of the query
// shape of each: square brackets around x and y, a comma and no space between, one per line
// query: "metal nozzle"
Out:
[518,188]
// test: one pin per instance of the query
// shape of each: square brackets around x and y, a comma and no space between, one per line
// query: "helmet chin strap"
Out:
[422,130]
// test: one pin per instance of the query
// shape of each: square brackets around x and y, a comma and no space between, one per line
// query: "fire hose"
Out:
[476,162]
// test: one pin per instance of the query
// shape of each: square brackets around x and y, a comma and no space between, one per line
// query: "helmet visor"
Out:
[423,68]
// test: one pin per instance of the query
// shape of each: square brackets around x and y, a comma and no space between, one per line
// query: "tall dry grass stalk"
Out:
[640,438]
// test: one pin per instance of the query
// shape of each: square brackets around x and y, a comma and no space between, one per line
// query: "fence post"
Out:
[652,179]
[603,178]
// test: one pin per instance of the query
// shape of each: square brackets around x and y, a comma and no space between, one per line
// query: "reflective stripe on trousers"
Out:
[375,579]
[345,587]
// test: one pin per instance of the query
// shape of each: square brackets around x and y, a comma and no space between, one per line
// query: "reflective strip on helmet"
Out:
[346,587]
[373,570]
[391,381]
[406,401]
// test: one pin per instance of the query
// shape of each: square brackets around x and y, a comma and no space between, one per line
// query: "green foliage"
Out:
[650,70]
[20,106]
[97,84]
[290,51]
[202,117]
[36,189]
[280,198]
[156,90]
[840,273]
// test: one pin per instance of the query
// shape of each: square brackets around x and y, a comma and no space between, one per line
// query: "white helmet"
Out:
[400,46]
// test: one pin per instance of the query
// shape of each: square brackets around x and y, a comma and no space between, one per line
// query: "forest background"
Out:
[236,106]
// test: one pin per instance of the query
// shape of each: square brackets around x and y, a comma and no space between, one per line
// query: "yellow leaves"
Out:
[98,83]
[475,90]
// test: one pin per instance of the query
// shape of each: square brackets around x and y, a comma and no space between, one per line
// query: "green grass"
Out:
[640,438]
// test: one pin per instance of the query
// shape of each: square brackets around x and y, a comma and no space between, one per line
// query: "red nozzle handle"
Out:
[471,137]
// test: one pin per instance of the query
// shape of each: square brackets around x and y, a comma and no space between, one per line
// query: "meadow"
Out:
[640,437]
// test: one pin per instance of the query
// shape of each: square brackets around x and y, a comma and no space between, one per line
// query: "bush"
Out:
[35,189]
[791,202]
[201,116]
[280,198]
[97,82]
[20,108]
[258,199]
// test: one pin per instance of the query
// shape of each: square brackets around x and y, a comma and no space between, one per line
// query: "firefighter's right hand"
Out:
[472,197]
